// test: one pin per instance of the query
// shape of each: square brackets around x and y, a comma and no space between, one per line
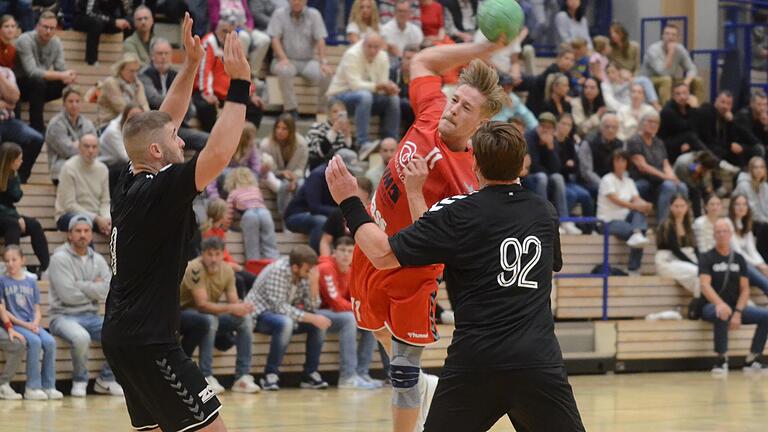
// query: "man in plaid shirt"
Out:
[283,303]
[15,130]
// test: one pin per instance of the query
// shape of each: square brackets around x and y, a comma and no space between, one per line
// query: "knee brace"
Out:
[404,371]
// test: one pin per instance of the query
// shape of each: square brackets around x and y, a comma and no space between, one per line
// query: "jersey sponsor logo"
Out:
[513,267]
[113,250]
[406,154]
[206,394]
[417,335]
[446,201]
[377,217]
[723,267]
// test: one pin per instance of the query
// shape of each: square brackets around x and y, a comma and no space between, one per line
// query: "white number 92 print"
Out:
[511,268]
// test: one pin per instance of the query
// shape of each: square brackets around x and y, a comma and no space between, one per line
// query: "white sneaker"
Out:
[427,386]
[377,382]
[245,384]
[79,389]
[35,394]
[7,393]
[447,317]
[637,240]
[54,394]
[107,387]
[355,382]
[570,228]
[214,383]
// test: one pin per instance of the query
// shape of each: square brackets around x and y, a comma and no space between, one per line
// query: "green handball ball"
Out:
[500,17]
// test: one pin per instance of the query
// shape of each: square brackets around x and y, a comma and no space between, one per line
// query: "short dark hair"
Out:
[680,84]
[70,89]
[707,159]
[13,247]
[727,93]
[620,154]
[757,93]
[672,26]
[212,243]
[302,254]
[499,151]
[344,240]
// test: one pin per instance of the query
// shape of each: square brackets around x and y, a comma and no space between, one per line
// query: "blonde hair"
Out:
[217,210]
[240,177]
[245,146]
[600,43]
[484,79]
[127,58]
[354,16]
[755,183]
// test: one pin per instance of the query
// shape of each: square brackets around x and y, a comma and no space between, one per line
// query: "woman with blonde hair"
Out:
[244,198]
[363,19]
[288,155]
[246,155]
[754,185]
[556,96]
[122,88]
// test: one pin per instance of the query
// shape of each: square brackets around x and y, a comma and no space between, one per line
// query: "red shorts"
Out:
[403,300]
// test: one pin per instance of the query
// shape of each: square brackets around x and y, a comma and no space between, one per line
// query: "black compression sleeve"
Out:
[354,213]
[239,91]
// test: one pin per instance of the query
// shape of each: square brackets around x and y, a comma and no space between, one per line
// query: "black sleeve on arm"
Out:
[433,239]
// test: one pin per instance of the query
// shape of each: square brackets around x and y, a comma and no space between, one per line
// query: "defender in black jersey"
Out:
[153,223]
[499,246]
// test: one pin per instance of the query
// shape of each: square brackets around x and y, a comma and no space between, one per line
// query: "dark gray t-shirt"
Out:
[655,155]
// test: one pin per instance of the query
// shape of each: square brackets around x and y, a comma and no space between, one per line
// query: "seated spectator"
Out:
[620,206]
[13,226]
[676,253]
[65,130]
[563,64]
[678,124]
[401,31]
[288,154]
[13,129]
[363,20]
[298,31]
[95,17]
[460,19]
[172,10]
[21,10]
[79,284]
[336,227]
[111,147]
[667,62]
[140,41]
[21,296]
[284,306]
[120,89]
[8,32]
[362,83]
[651,169]
[387,149]
[574,192]
[616,88]
[725,286]
[255,42]
[754,185]
[704,226]
[544,175]
[205,281]
[244,199]
[41,71]
[310,208]
[328,137]
[556,97]
[388,11]
[580,70]
[630,115]
[571,22]
[595,152]
[157,78]
[261,11]
[749,116]
[400,74]
[247,155]
[12,345]
[722,135]
[625,54]
[515,108]
[432,20]
[695,170]
[599,60]
[588,108]
[744,242]
[511,59]
[84,188]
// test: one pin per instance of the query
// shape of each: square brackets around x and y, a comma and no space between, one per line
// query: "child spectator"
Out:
[8,32]
[246,155]
[599,58]
[12,345]
[363,19]
[580,70]
[244,197]
[704,226]
[21,297]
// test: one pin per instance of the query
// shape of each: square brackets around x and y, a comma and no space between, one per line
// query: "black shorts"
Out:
[163,387]
[535,400]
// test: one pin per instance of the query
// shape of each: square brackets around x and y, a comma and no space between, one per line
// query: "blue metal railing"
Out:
[663,21]
[732,33]
[714,67]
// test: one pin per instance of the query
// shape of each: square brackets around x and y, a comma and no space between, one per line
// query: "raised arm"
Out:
[438,59]
[177,100]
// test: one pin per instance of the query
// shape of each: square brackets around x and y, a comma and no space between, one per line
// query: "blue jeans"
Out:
[307,223]
[222,324]
[661,193]
[751,315]
[79,330]
[578,194]
[281,328]
[259,236]
[355,358]
[40,377]
[757,278]
[30,141]
[363,104]
[549,185]
[623,230]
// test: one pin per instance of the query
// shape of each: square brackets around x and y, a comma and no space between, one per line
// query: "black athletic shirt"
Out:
[716,265]
[152,224]
[500,246]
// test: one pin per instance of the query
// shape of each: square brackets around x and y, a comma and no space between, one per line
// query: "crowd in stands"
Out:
[627,139]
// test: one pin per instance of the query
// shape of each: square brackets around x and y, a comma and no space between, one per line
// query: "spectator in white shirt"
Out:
[630,115]
[401,31]
[704,226]
[744,243]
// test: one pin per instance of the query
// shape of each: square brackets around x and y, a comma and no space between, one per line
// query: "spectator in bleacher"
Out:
[556,99]
[387,148]
[652,170]
[511,59]
[400,74]
[12,345]
[563,64]
[571,22]
[596,150]
[460,19]
[284,306]
[65,130]
[574,192]
[326,138]
[388,11]
[12,128]
[244,198]
[588,108]
[401,31]
[95,17]
[745,243]
[254,41]
[336,227]
[620,206]
[363,20]
[140,41]
[514,107]
[667,62]
[599,60]
[21,297]
[676,253]
[297,33]
[8,32]
[13,226]
[725,286]
[754,185]
[616,88]
[580,69]
[111,146]
[722,135]
[334,279]
[630,115]
[120,89]
[310,207]
[157,78]
[362,83]
[262,10]
[624,52]
[41,72]
[84,188]
[79,284]
[247,155]
[749,116]
[289,153]
[544,177]
[695,170]
[678,123]
[704,226]
[206,279]
[432,20]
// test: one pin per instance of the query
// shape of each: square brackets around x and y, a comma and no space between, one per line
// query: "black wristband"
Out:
[354,213]
[239,91]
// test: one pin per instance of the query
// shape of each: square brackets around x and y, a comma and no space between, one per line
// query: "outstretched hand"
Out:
[341,182]
[193,48]
[235,63]
[416,173]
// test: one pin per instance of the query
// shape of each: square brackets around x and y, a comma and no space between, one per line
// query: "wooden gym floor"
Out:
[678,402]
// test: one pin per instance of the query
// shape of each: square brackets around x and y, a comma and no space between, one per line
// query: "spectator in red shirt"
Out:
[432,20]
[8,32]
